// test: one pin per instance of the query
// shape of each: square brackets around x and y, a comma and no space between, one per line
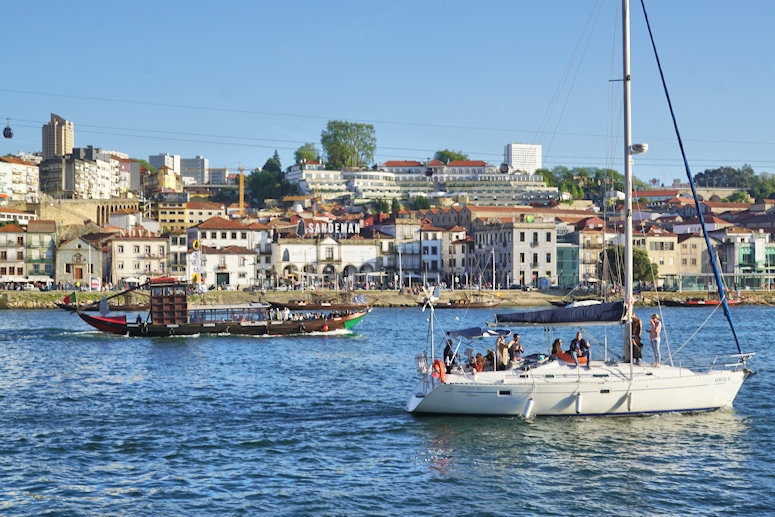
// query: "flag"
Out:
[72,298]
[66,300]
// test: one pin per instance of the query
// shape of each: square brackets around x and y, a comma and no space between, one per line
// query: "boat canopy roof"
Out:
[476,332]
[608,313]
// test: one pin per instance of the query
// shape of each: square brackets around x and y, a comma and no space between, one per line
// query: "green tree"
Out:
[145,164]
[447,156]
[348,144]
[306,153]
[421,202]
[395,205]
[611,263]
[268,184]
[381,206]
[273,163]
[739,197]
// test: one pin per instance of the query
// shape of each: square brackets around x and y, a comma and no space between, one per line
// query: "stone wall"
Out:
[69,212]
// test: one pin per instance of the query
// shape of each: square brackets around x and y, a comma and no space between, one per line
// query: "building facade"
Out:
[58,137]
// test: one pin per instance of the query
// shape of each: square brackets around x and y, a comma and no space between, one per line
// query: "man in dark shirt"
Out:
[579,347]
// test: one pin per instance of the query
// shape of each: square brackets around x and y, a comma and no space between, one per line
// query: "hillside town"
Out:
[91,219]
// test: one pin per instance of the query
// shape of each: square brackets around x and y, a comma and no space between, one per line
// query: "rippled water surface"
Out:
[93,424]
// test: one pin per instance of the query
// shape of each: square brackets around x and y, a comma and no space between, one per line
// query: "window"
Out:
[213,235]
[522,258]
[548,258]
[223,235]
[234,236]
[535,258]
[148,251]
[244,235]
[521,236]
[121,248]
[535,237]
[136,249]
[548,236]
[329,253]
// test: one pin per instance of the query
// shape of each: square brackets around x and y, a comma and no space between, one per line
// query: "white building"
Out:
[19,180]
[525,158]
[136,256]
[523,251]
[313,178]
[226,239]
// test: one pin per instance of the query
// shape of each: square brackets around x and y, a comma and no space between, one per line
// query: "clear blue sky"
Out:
[233,81]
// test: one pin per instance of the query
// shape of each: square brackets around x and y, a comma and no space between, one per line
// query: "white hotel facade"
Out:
[472,182]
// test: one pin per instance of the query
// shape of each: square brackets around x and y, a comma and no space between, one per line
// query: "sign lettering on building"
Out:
[331,228]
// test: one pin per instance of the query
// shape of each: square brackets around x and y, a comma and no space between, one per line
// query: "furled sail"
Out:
[609,313]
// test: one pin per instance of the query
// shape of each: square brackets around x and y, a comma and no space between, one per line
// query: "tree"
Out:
[739,197]
[612,262]
[447,156]
[145,164]
[381,206]
[348,144]
[273,163]
[268,184]
[421,203]
[395,206]
[306,153]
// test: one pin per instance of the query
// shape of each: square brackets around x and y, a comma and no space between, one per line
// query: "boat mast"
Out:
[628,260]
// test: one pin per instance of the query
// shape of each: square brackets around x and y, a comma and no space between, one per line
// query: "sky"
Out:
[235,81]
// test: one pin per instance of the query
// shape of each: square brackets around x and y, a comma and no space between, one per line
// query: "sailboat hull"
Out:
[556,389]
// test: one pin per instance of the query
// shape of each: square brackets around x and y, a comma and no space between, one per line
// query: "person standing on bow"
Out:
[579,347]
[637,345]
[654,335]
[449,355]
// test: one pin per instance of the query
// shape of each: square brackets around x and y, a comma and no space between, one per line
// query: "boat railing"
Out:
[720,362]
[422,363]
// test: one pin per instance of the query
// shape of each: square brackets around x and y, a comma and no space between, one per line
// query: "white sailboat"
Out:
[541,385]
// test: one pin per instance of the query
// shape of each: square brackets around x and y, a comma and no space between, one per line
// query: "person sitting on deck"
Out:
[556,348]
[579,347]
[479,363]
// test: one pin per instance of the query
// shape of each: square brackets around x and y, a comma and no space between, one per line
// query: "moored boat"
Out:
[700,302]
[323,303]
[471,301]
[171,315]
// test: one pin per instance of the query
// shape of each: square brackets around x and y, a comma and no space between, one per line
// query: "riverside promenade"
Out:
[507,298]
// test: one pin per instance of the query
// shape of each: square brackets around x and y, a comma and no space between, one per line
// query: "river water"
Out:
[104,425]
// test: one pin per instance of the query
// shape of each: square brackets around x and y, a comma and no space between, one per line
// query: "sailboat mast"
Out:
[628,260]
